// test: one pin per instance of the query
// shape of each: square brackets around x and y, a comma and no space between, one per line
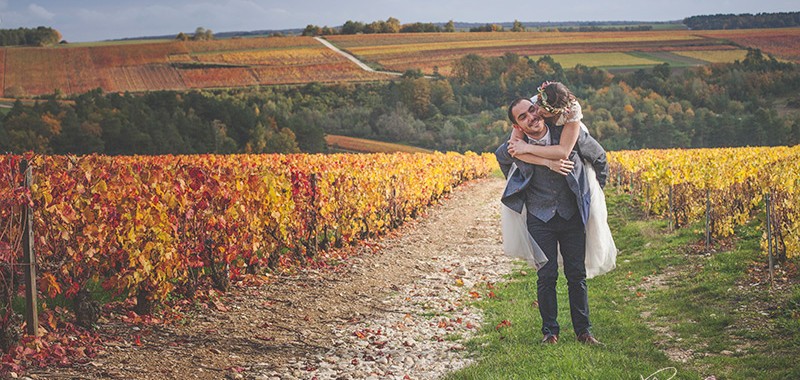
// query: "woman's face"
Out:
[544,114]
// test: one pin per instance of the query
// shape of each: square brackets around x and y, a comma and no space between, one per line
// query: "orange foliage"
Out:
[149,224]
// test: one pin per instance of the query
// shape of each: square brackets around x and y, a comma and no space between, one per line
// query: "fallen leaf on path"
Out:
[220,306]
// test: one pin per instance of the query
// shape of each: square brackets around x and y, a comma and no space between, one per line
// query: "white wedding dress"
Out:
[601,252]
[517,242]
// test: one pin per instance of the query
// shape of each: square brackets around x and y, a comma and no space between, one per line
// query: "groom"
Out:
[558,208]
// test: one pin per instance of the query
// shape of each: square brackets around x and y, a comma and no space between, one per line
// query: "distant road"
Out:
[356,60]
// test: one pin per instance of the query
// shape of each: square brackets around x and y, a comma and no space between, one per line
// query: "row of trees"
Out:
[41,36]
[391,25]
[711,106]
[200,34]
[744,21]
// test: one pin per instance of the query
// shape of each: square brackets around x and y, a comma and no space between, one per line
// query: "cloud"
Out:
[40,12]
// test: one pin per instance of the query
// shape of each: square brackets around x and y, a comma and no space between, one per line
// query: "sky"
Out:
[97,20]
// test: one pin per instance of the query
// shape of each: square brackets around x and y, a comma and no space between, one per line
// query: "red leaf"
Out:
[504,323]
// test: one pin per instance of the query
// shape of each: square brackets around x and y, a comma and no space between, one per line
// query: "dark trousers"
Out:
[570,235]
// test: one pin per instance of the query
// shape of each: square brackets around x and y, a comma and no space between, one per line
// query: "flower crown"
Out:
[542,100]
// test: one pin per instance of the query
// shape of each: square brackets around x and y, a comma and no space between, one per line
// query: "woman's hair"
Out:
[555,97]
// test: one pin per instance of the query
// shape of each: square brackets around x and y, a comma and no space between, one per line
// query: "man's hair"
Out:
[511,107]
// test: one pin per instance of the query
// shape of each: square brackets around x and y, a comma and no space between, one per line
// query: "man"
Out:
[557,202]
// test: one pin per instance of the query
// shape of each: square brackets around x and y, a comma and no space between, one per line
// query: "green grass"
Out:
[603,59]
[661,300]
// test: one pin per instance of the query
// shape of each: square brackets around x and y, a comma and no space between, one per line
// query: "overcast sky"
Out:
[94,20]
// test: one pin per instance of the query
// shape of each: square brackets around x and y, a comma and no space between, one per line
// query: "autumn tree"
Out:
[203,34]
[352,27]
[312,30]
[415,93]
[471,68]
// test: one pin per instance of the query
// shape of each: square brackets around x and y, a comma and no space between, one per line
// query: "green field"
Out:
[601,60]
[715,56]
[669,306]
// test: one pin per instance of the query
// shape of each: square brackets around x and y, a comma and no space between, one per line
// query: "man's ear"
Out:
[515,126]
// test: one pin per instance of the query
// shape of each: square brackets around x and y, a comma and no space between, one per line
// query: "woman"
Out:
[558,106]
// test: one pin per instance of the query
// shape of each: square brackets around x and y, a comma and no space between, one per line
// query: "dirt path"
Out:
[355,60]
[385,313]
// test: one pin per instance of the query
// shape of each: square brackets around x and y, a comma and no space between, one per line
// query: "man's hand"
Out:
[517,147]
[562,167]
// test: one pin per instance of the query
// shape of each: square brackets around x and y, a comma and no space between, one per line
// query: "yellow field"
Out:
[318,54]
[354,144]
[600,60]
[715,56]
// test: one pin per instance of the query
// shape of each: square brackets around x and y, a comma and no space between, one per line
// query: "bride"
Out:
[558,106]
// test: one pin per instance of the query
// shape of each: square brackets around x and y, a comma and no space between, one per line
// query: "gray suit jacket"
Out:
[586,148]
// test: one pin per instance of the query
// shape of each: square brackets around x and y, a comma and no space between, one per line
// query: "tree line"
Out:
[40,36]
[711,106]
[744,21]
[391,25]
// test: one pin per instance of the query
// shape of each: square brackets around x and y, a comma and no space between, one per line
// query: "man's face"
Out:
[529,119]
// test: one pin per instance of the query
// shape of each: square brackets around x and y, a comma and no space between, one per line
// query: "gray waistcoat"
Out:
[548,194]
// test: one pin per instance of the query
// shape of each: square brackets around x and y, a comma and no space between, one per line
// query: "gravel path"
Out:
[420,327]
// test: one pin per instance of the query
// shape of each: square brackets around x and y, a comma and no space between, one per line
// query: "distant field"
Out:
[172,65]
[400,52]
[782,43]
[353,144]
[600,59]
[716,56]
[119,66]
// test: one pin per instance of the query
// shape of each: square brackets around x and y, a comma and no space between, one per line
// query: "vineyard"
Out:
[180,65]
[726,187]
[152,227]
[173,65]
[425,51]
[783,43]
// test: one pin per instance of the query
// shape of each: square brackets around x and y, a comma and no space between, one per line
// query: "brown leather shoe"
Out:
[550,339]
[588,338]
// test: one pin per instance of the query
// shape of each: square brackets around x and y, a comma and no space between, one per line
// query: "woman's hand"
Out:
[517,147]
[562,167]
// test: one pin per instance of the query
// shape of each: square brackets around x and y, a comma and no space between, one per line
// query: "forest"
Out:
[744,21]
[747,103]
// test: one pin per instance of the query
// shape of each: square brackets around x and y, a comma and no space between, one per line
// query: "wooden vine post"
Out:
[28,255]
[768,202]
[708,217]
